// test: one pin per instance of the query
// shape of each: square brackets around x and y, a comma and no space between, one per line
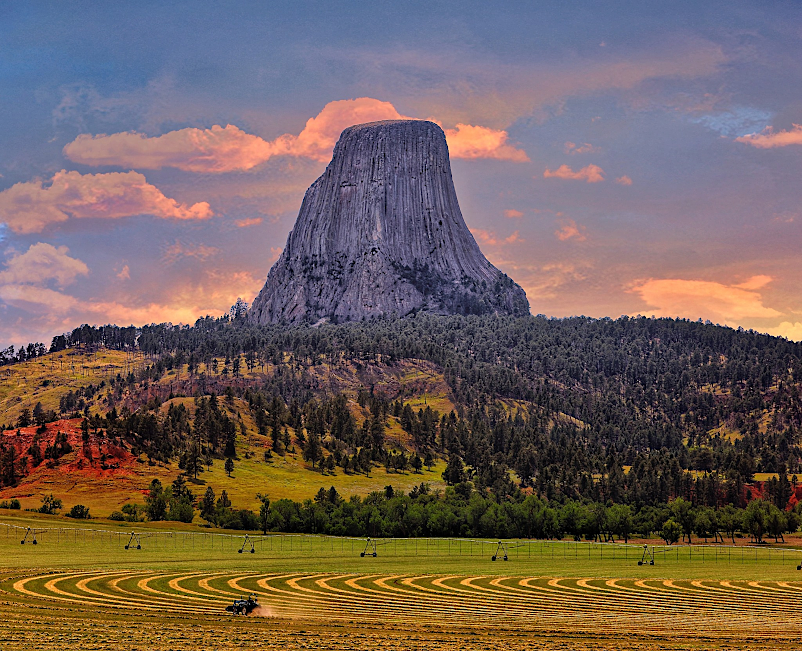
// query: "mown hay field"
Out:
[79,587]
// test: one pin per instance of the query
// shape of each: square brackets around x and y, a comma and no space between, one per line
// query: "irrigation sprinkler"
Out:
[247,540]
[134,537]
[647,554]
[32,533]
[502,547]
[369,544]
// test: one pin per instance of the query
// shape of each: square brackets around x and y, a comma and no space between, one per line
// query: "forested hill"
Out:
[634,409]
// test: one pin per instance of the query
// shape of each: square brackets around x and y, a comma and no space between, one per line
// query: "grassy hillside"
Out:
[78,478]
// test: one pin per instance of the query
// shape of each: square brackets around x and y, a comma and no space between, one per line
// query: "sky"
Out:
[614,158]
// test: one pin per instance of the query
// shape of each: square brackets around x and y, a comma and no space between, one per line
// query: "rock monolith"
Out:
[381,232]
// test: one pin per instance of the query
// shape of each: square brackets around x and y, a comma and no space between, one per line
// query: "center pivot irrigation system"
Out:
[647,554]
[136,537]
[293,544]
[247,540]
[32,533]
[501,552]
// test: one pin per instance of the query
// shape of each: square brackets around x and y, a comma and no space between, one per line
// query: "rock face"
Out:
[381,232]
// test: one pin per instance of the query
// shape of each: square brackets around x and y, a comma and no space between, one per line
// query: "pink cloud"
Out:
[485,237]
[570,230]
[23,281]
[249,221]
[37,299]
[179,250]
[467,141]
[321,132]
[590,173]
[125,273]
[768,138]
[219,149]
[29,207]
[513,214]
[43,262]
[228,149]
[586,148]
[624,180]
[491,239]
[706,299]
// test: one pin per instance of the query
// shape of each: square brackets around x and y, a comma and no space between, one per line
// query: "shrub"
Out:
[117,516]
[50,505]
[79,512]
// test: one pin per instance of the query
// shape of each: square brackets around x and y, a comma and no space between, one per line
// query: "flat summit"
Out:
[381,232]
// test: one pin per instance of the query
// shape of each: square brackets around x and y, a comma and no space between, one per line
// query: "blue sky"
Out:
[613,158]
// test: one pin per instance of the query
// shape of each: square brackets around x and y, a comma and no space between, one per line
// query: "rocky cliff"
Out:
[381,232]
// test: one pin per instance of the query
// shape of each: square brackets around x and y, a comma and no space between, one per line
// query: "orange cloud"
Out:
[769,138]
[624,180]
[228,149]
[513,214]
[591,173]
[570,230]
[467,141]
[513,238]
[586,148]
[125,273]
[29,207]
[789,330]
[219,149]
[705,299]
[249,221]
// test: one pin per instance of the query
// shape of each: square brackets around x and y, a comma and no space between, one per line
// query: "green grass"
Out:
[46,379]
[85,545]
[291,477]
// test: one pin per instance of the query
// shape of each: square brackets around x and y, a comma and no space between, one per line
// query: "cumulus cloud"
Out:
[468,141]
[219,149]
[624,180]
[769,138]
[706,299]
[789,330]
[228,149]
[23,282]
[29,207]
[43,262]
[590,173]
[36,299]
[570,230]
[124,273]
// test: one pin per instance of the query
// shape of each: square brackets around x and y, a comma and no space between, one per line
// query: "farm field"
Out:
[80,587]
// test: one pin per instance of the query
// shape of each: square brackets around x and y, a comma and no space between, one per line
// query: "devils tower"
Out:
[381,232]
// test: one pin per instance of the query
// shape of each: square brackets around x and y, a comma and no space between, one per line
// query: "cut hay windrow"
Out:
[646,606]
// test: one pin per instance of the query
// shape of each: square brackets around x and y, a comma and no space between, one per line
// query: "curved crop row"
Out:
[719,608]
